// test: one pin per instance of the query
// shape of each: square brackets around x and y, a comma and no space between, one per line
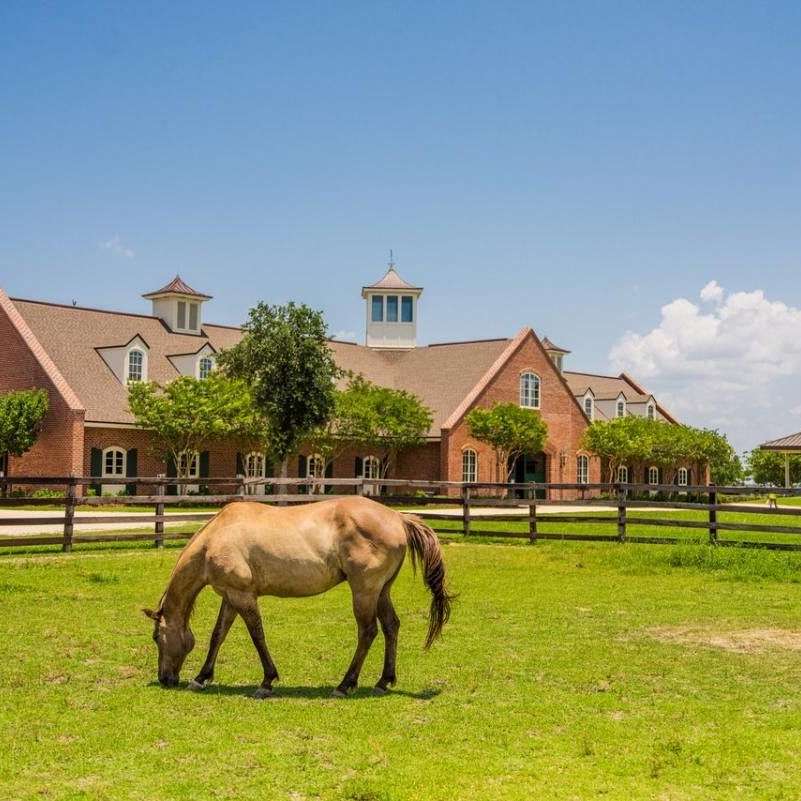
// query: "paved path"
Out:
[57,527]
[522,511]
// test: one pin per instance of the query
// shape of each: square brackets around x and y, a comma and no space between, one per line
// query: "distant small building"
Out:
[86,358]
[788,446]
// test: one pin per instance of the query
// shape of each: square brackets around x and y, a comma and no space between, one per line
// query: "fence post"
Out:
[713,515]
[532,523]
[621,513]
[158,542]
[466,510]
[69,515]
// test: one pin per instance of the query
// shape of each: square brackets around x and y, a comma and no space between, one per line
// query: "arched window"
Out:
[371,468]
[189,464]
[254,468]
[621,408]
[113,462]
[136,365]
[205,367]
[315,469]
[530,390]
[653,475]
[683,477]
[623,474]
[650,411]
[588,406]
[469,466]
[582,469]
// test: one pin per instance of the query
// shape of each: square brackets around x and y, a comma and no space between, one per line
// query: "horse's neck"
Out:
[186,581]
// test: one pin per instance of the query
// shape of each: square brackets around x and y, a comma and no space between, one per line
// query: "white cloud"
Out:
[733,365]
[116,246]
[344,336]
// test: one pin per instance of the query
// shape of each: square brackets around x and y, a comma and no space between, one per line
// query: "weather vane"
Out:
[391,259]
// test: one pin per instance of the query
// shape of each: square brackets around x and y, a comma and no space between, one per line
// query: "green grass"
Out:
[555,680]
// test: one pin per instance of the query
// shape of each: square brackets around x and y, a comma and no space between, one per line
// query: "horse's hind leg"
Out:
[225,618]
[390,625]
[249,610]
[364,610]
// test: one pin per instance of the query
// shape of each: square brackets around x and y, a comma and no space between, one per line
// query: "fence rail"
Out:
[515,503]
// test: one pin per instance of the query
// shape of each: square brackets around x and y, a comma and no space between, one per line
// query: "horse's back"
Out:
[301,550]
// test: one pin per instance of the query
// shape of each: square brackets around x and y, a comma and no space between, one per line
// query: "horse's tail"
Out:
[424,545]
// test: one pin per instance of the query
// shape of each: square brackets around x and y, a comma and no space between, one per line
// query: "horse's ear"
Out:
[151,614]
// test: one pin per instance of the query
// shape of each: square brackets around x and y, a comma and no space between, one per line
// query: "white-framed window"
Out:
[136,365]
[193,316]
[204,367]
[113,462]
[683,477]
[529,390]
[582,469]
[653,475]
[623,474]
[254,464]
[589,406]
[377,308]
[621,408]
[371,468]
[650,411]
[189,464]
[469,466]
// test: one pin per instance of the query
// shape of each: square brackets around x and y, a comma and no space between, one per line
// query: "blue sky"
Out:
[575,167]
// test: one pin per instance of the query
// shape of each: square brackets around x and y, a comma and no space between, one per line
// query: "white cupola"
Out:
[556,354]
[391,311]
[179,306]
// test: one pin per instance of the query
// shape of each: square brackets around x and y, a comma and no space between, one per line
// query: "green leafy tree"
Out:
[382,420]
[622,441]
[21,415]
[510,431]
[767,467]
[286,361]
[189,414]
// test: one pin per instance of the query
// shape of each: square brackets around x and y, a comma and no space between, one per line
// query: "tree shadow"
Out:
[306,693]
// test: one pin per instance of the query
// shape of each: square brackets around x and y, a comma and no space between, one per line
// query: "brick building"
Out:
[85,358]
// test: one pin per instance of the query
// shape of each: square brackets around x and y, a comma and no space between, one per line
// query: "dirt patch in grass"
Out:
[742,641]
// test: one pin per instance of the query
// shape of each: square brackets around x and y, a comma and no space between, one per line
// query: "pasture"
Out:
[568,671]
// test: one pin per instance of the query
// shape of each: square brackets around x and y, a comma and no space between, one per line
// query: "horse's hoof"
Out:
[379,690]
[263,692]
[337,693]
[196,686]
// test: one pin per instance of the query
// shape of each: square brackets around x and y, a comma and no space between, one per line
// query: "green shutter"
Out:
[203,470]
[96,467]
[240,465]
[172,471]
[131,469]
[302,465]
[358,469]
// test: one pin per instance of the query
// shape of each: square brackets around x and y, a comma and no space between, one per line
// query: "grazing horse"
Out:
[249,549]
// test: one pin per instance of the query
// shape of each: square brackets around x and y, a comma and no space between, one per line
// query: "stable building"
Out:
[85,358]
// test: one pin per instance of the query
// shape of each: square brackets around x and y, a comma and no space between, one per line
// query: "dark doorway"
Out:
[531,467]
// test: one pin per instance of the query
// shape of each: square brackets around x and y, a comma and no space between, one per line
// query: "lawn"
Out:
[569,671]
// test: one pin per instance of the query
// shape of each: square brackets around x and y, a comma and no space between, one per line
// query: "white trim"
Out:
[651,468]
[527,394]
[371,489]
[621,470]
[255,489]
[473,451]
[582,475]
[686,473]
[113,489]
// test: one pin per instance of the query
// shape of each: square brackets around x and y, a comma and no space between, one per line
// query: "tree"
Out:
[285,359]
[21,415]
[189,414]
[511,431]
[767,467]
[622,441]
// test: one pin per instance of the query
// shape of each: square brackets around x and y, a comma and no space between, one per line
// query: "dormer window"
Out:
[588,406]
[136,365]
[205,366]
[621,408]
[650,411]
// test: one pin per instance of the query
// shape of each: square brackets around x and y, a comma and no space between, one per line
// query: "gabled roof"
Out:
[177,287]
[792,442]
[392,280]
[548,345]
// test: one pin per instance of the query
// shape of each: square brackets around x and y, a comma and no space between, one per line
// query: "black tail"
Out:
[424,545]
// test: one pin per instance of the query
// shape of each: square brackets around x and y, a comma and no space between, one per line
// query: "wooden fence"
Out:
[515,503]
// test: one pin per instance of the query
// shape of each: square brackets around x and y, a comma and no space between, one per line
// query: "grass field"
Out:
[569,671]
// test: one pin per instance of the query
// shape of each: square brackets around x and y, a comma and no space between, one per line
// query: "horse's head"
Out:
[174,643]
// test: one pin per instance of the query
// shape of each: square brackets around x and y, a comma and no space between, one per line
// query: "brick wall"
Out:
[566,423]
[59,447]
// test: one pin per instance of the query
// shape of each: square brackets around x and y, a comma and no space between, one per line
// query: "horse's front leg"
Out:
[390,625]
[364,610]
[248,608]
[225,618]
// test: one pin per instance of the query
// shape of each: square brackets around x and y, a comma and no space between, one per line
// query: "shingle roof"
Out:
[549,345]
[440,375]
[792,442]
[179,287]
[391,280]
